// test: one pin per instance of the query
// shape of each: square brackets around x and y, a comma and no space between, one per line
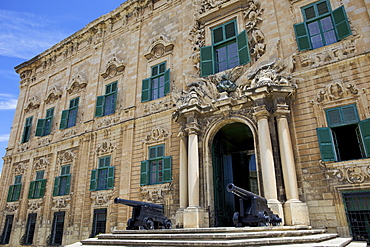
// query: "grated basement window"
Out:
[357,207]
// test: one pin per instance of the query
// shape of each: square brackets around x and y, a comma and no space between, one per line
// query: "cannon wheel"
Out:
[148,224]
[167,224]
[236,218]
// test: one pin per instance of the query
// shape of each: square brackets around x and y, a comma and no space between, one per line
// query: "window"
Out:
[5,237]
[158,85]
[37,187]
[69,116]
[321,26]
[62,183]
[44,125]
[228,49]
[106,104]
[103,177]
[346,138]
[30,229]
[357,207]
[15,189]
[157,169]
[99,222]
[27,130]
[56,236]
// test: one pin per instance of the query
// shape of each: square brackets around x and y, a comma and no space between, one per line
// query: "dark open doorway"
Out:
[233,161]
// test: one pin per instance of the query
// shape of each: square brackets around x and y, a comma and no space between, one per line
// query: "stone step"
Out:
[267,241]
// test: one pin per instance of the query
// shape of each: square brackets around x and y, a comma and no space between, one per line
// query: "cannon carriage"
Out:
[147,215]
[253,209]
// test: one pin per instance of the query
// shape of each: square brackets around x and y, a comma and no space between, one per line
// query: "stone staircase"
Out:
[230,236]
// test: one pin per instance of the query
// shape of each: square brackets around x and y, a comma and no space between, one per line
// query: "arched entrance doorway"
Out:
[233,161]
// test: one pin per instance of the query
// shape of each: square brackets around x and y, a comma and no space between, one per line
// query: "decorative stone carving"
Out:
[32,104]
[41,164]
[105,147]
[114,67]
[158,105]
[77,84]
[348,172]
[61,202]
[266,75]
[336,90]
[107,121]
[328,54]
[11,207]
[203,6]
[156,193]
[156,135]
[66,157]
[160,46]
[253,18]
[102,198]
[197,40]
[19,168]
[53,95]
[23,147]
[67,133]
[43,141]
[34,205]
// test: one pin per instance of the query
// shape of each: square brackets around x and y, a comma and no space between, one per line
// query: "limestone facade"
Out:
[273,103]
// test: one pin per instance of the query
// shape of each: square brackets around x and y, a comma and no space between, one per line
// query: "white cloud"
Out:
[7,102]
[24,35]
[4,138]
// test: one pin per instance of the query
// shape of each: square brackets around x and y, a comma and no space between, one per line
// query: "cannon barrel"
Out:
[242,193]
[132,203]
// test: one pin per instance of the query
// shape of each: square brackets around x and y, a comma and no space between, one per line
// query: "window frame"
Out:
[97,182]
[69,116]
[147,84]
[37,187]
[338,117]
[44,126]
[208,54]
[94,228]
[339,21]
[7,230]
[15,189]
[59,187]
[146,174]
[103,103]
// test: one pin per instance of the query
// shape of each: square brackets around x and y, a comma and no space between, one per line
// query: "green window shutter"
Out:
[31,190]
[64,119]
[99,110]
[17,192]
[243,48]
[10,193]
[56,186]
[333,117]
[40,127]
[68,184]
[167,169]
[42,187]
[350,115]
[167,84]
[365,133]
[110,177]
[341,23]
[114,101]
[326,144]
[94,180]
[144,174]
[207,63]
[301,34]
[145,90]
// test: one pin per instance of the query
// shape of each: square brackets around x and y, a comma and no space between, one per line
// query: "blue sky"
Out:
[27,28]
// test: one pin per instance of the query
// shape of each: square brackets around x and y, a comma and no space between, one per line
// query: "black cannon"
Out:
[253,208]
[148,215]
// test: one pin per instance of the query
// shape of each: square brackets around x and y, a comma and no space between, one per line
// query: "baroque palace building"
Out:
[168,101]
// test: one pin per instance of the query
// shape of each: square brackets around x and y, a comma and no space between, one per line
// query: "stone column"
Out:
[267,160]
[183,188]
[193,214]
[296,212]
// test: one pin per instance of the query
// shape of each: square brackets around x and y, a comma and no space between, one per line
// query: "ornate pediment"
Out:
[67,157]
[61,202]
[336,90]
[20,168]
[114,67]
[77,84]
[156,193]
[35,205]
[102,198]
[105,148]
[159,47]
[353,172]
[156,135]
[53,95]
[41,164]
[32,104]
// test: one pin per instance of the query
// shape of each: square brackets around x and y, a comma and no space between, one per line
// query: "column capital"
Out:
[192,129]
[261,112]
[281,111]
